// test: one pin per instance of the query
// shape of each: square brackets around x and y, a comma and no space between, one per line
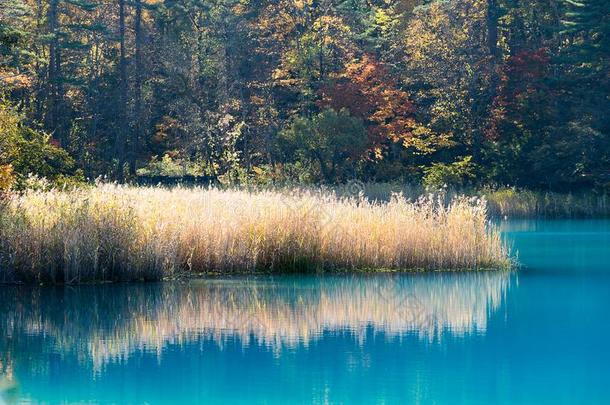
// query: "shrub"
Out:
[29,151]
[170,167]
[455,174]
[332,140]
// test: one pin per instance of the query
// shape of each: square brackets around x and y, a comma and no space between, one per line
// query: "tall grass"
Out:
[501,202]
[112,232]
[514,203]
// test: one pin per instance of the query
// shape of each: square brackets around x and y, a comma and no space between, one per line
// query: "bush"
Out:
[28,151]
[333,141]
[170,167]
[456,174]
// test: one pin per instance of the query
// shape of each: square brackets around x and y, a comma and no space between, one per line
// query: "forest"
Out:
[458,92]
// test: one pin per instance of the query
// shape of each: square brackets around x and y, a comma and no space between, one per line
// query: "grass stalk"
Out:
[115,233]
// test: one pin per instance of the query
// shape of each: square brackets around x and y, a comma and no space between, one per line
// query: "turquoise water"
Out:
[536,336]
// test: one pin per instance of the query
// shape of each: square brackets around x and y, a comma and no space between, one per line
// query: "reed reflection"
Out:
[102,324]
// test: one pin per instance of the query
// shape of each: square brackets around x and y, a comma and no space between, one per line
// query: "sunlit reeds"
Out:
[112,232]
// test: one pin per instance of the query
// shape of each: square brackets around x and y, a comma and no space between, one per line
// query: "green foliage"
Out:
[455,175]
[296,173]
[588,21]
[170,167]
[28,151]
[332,140]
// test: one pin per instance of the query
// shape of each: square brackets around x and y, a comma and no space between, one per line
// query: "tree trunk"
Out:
[41,70]
[494,52]
[485,108]
[53,91]
[137,136]
[121,133]
[492,28]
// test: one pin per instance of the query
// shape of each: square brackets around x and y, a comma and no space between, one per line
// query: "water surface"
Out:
[539,335]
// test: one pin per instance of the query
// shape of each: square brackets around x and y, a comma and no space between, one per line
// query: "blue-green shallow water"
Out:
[537,336]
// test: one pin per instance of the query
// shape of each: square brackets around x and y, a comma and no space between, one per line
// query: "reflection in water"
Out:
[7,385]
[104,324]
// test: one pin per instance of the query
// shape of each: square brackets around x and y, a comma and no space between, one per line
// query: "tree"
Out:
[332,140]
[26,151]
[15,53]
[588,23]
[447,68]
[122,128]
[369,92]
[395,137]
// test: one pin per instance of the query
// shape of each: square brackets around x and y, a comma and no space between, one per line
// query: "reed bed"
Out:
[505,202]
[511,203]
[112,232]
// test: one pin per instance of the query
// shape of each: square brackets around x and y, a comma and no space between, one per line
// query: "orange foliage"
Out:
[522,78]
[369,92]
[14,80]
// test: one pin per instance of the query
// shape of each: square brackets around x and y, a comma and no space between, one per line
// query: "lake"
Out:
[538,335]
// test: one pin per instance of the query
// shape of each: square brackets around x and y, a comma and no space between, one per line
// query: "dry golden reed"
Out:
[112,232]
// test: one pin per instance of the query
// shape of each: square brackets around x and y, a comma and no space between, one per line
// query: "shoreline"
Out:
[220,276]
